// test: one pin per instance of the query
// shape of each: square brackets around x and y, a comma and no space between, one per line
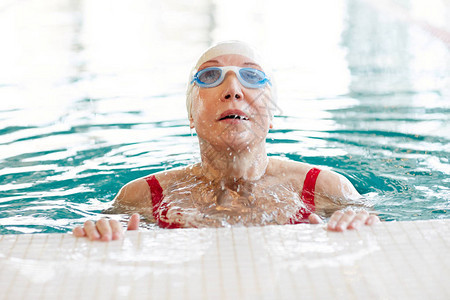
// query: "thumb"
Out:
[133,223]
[314,219]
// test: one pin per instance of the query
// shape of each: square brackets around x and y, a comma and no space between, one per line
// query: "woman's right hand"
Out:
[104,230]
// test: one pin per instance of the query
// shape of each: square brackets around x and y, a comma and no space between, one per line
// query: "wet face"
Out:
[230,115]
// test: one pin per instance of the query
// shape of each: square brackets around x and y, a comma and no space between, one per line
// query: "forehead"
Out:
[230,60]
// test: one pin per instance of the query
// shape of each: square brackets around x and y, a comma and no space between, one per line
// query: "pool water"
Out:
[88,104]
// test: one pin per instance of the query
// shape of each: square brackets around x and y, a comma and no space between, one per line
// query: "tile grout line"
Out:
[24,257]
[219,260]
[151,285]
[7,256]
[117,275]
[64,276]
[388,259]
[8,291]
[312,284]
[327,275]
[137,247]
[236,264]
[440,236]
[419,254]
[97,279]
[399,249]
[186,279]
[364,274]
[167,281]
[59,293]
[401,225]
[41,296]
[375,266]
[341,268]
[103,263]
[271,266]
[443,242]
[12,247]
[252,254]
[399,260]
[202,263]
[86,267]
[288,271]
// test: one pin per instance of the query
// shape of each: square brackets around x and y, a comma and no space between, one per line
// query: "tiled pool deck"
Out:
[393,260]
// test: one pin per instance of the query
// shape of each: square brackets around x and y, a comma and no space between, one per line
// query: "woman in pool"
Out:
[230,101]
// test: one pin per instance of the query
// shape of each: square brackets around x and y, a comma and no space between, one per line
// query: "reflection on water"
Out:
[92,96]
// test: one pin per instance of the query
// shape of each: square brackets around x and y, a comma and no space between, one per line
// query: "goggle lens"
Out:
[209,75]
[252,76]
[213,76]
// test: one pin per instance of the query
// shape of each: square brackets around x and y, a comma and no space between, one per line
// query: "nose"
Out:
[232,88]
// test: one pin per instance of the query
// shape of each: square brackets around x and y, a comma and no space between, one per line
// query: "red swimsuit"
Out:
[160,209]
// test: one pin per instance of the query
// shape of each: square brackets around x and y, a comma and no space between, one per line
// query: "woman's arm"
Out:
[335,193]
[134,196]
[104,230]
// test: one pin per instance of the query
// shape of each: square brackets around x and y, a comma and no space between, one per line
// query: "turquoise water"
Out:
[87,105]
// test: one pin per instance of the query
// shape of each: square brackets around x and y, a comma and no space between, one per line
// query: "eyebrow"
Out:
[211,61]
[252,64]
[248,63]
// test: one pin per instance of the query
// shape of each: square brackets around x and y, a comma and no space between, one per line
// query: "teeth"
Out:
[235,117]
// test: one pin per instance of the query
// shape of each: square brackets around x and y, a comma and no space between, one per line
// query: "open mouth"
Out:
[232,116]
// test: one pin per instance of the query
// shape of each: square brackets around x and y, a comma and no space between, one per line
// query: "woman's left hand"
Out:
[349,219]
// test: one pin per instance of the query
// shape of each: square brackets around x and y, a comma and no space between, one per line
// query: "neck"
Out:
[225,165]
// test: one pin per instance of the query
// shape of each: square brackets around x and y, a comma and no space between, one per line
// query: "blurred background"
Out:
[92,96]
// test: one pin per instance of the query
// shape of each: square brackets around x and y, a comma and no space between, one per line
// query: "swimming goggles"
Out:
[248,77]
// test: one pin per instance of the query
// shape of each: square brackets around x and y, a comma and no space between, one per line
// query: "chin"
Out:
[233,138]
[236,143]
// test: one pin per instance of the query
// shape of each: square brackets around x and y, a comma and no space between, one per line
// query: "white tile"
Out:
[391,260]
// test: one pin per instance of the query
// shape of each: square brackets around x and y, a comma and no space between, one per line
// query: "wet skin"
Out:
[234,151]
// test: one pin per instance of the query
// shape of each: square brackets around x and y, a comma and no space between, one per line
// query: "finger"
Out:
[372,219]
[91,231]
[105,229]
[359,219]
[79,231]
[314,219]
[345,219]
[335,217]
[116,228]
[133,223]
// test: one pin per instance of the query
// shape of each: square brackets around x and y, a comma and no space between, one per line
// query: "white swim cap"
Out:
[224,48]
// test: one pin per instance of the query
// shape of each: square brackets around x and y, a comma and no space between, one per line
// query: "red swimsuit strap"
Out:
[156,191]
[159,209]
[309,187]
[307,196]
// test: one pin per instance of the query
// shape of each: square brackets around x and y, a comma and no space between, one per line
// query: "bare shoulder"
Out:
[334,191]
[335,185]
[330,186]
[286,165]
[137,193]
[292,171]
[165,178]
